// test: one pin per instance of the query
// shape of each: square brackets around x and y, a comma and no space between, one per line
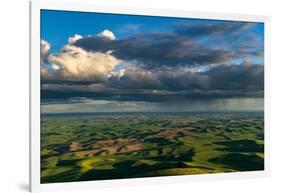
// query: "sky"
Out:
[96,62]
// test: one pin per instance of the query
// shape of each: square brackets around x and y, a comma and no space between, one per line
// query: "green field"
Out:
[81,147]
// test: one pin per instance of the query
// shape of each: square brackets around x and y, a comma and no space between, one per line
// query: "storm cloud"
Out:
[205,61]
[187,45]
[225,81]
[158,49]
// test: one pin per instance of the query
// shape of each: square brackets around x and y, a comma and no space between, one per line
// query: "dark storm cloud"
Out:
[219,82]
[225,81]
[96,43]
[158,49]
[136,78]
[187,45]
[66,82]
[170,50]
[246,76]
[237,77]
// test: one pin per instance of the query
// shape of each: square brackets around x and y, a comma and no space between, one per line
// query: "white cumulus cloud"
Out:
[73,39]
[74,63]
[44,52]
[108,34]
[45,47]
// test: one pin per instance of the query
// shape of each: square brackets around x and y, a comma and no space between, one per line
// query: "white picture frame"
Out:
[36,6]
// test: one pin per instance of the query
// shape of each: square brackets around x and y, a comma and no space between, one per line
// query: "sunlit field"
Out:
[81,147]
